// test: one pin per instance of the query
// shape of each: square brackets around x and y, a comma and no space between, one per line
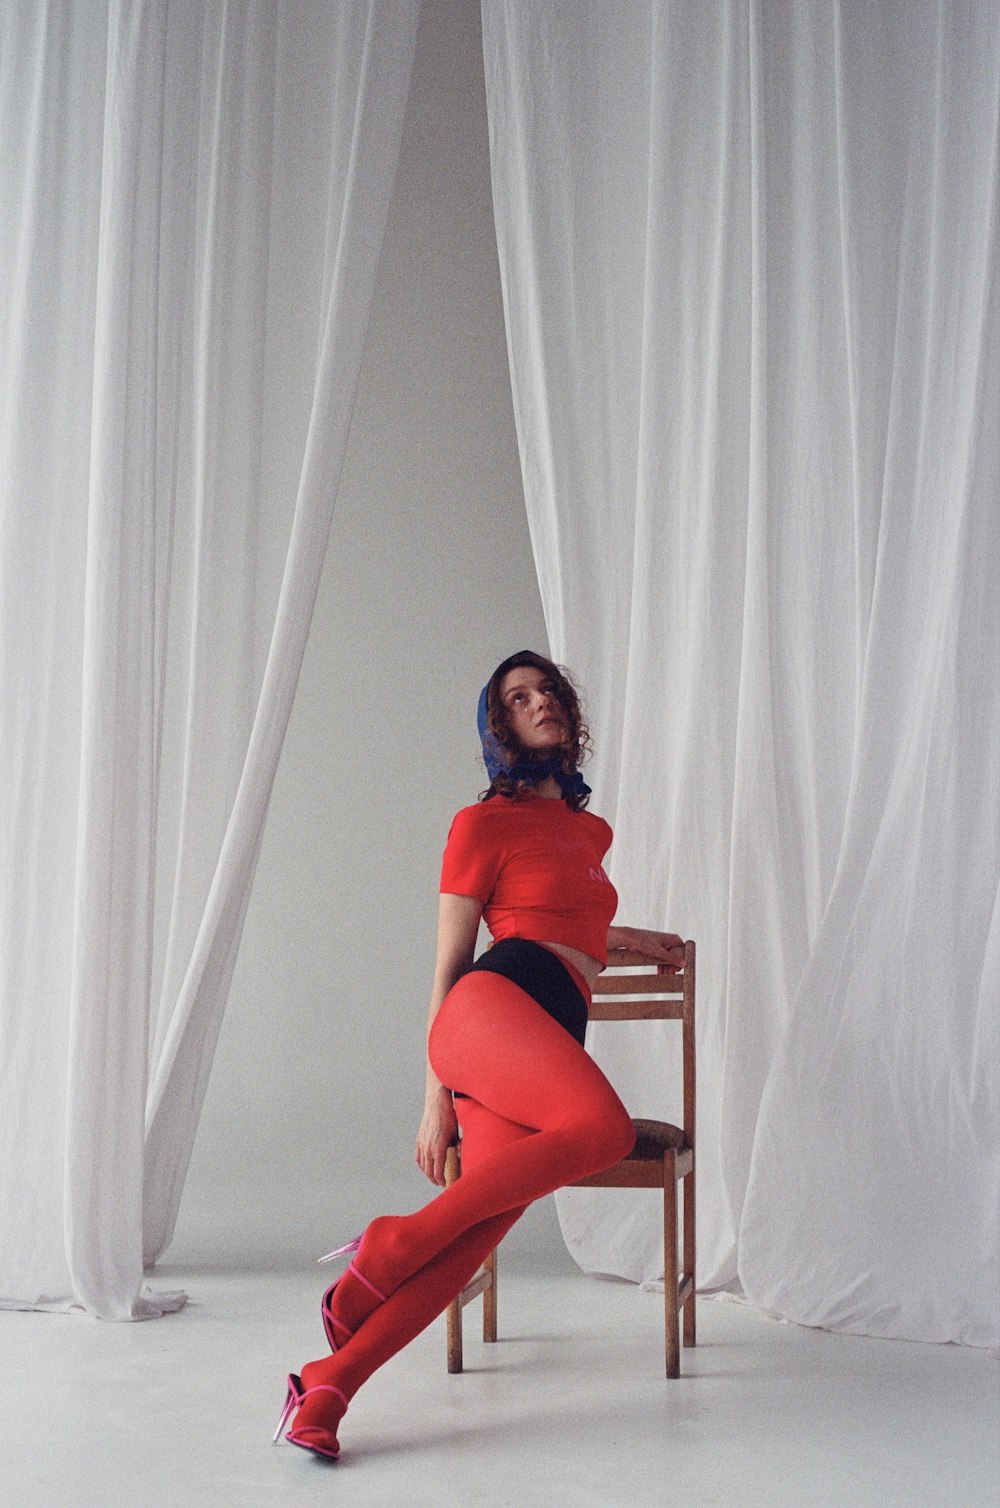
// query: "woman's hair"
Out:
[576,746]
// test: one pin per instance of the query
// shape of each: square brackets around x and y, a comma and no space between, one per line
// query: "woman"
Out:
[505,1037]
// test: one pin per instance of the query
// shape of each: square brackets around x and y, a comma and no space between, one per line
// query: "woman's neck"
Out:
[549,788]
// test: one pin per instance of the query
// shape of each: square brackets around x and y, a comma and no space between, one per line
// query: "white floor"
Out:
[569,1408]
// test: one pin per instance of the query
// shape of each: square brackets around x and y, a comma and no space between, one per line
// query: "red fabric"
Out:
[540,1114]
[418,1301]
[537,866]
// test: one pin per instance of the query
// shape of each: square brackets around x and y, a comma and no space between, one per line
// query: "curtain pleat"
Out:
[114,886]
[196,201]
[749,262]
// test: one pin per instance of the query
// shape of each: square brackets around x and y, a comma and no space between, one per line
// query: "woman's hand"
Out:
[666,947]
[458,923]
[438,1131]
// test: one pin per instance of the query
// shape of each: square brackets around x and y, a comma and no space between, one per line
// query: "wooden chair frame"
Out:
[630,989]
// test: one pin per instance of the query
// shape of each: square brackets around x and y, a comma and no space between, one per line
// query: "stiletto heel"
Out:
[293,1399]
[341,1251]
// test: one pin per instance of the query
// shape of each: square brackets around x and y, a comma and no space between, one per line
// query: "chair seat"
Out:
[653,1138]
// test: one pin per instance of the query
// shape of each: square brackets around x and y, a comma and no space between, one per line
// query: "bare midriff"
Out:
[582,963]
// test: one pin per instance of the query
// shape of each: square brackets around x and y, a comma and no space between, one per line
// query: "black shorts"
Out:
[541,974]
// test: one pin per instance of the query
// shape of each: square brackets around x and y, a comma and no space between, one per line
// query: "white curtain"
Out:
[194,198]
[750,265]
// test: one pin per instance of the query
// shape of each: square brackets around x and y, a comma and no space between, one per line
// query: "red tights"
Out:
[539,1114]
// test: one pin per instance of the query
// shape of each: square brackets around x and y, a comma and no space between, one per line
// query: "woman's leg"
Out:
[493,1042]
[418,1301]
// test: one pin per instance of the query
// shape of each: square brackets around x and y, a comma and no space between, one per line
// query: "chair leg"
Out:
[671,1277]
[490,1298]
[454,1311]
[689,1257]
[455,1336]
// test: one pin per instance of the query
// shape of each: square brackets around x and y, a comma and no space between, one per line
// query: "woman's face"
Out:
[534,714]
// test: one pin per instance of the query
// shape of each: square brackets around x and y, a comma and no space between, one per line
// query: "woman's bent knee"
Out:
[623,1139]
[619,1131]
[606,1139]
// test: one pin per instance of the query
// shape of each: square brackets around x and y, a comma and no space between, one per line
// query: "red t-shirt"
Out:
[536,866]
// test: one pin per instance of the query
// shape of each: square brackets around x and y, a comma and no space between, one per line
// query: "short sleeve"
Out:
[472,856]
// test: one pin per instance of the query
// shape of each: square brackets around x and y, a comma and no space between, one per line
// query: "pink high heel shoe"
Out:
[318,1438]
[330,1321]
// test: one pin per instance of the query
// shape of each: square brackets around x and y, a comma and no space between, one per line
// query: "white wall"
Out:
[318,1079]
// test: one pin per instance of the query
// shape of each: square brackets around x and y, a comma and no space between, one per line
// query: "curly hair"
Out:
[575,748]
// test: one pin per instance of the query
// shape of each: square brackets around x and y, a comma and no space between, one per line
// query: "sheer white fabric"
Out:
[749,257]
[194,201]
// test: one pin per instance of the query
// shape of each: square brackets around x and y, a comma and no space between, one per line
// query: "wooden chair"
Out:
[630,989]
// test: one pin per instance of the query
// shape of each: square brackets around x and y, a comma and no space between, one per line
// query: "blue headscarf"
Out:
[531,771]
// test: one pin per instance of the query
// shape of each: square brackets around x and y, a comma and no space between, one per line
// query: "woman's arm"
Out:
[458,924]
[666,947]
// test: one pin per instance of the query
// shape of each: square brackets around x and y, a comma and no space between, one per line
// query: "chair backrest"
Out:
[631,989]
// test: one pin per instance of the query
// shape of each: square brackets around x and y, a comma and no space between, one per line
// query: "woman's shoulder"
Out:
[484,814]
[593,817]
[495,816]
[474,818]
[483,828]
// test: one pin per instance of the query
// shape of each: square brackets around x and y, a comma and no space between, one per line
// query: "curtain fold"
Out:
[197,197]
[116,818]
[749,261]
